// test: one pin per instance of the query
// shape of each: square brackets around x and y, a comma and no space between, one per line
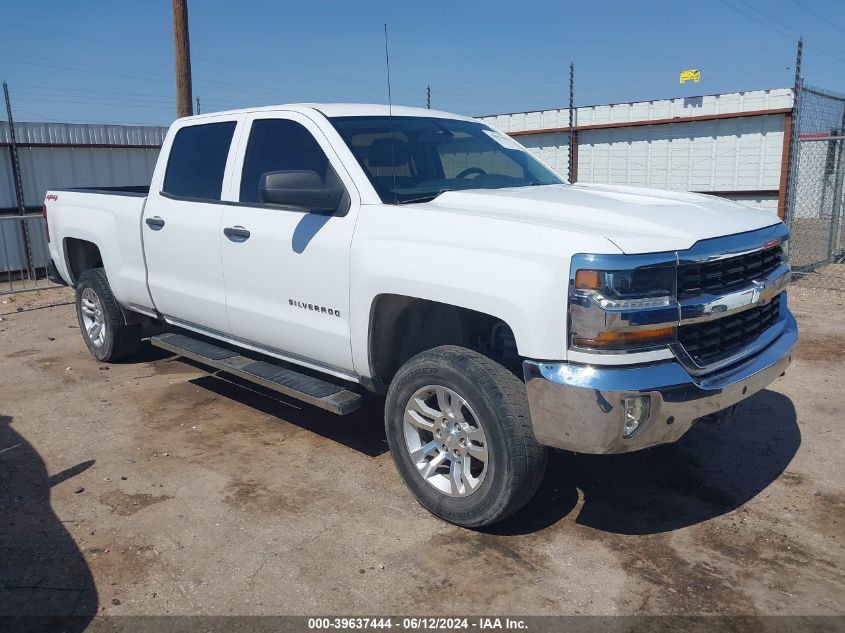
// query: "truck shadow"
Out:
[709,472]
[45,582]
[362,431]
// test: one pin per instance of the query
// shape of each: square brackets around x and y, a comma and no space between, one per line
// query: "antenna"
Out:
[387,62]
[390,117]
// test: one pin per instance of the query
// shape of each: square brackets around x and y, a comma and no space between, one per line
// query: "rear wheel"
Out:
[460,434]
[104,330]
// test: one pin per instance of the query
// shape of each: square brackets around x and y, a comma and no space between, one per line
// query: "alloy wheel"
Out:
[445,440]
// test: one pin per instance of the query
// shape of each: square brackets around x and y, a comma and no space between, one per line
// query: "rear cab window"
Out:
[197,161]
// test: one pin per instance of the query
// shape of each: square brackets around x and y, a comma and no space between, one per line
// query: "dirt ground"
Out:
[153,487]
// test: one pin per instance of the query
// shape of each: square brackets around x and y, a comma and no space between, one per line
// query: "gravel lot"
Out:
[153,487]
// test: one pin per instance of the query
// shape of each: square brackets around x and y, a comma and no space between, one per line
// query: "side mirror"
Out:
[299,188]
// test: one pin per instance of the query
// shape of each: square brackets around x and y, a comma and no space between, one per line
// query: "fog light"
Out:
[637,409]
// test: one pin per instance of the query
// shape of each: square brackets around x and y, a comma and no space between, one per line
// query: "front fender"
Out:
[515,272]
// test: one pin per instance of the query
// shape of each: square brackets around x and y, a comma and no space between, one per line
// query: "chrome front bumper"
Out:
[579,407]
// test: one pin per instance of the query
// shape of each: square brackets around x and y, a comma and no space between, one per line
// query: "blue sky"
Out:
[112,61]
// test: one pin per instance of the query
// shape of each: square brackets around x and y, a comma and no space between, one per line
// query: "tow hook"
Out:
[718,419]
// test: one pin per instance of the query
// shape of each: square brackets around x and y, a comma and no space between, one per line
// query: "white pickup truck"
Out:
[327,251]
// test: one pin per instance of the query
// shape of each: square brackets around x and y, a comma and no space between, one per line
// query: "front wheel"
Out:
[104,330]
[460,435]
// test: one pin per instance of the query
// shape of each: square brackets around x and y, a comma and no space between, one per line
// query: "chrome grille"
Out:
[725,275]
[711,341]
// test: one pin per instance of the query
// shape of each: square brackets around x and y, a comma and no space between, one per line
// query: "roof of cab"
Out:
[343,109]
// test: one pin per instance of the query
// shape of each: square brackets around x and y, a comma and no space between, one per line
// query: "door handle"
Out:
[155,223]
[236,233]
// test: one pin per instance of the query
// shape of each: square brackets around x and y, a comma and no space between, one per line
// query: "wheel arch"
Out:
[401,326]
[80,255]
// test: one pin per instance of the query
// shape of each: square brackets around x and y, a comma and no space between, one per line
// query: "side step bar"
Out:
[289,382]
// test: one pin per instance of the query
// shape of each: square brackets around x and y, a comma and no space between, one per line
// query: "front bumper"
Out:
[579,407]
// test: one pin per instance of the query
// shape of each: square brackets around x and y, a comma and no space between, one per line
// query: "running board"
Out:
[286,381]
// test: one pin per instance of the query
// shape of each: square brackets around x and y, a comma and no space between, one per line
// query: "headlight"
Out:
[630,310]
[641,287]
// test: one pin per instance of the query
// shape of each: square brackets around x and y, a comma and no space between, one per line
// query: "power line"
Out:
[94,70]
[776,25]
[529,87]
[831,23]
[121,104]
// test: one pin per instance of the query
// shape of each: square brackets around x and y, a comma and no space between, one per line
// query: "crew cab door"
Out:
[286,269]
[181,226]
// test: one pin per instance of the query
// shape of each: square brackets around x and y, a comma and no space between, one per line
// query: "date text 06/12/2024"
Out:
[416,623]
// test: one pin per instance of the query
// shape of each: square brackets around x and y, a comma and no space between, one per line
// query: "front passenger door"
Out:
[287,269]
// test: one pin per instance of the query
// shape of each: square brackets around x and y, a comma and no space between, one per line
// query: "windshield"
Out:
[415,159]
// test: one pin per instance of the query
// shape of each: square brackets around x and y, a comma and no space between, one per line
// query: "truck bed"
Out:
[126,190]
[107,219]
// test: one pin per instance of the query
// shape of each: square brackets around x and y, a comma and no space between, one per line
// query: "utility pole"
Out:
[182,51]
[573,141]
[428,97]
[199,110]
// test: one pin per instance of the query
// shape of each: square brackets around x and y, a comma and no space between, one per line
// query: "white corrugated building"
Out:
[732,145]
[56,155]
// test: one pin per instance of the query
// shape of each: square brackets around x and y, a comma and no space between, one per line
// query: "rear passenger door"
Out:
[287,273]
[182,226]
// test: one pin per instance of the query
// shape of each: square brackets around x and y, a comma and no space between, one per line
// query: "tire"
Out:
[101,322]
[457,391]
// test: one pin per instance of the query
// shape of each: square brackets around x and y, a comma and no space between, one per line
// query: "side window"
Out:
[197,160]
[280,145]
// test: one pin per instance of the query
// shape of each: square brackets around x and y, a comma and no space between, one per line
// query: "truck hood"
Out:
[636,220]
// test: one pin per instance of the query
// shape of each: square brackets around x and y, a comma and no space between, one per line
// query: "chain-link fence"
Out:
[817,198]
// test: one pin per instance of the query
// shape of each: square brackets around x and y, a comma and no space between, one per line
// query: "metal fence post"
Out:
[792,167]
[798,86]
[836,214]
[573,152]
[16,173]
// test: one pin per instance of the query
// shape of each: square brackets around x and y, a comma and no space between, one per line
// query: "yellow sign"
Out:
[690,75]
